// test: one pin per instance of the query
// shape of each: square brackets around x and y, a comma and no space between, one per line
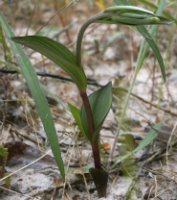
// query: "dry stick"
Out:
[80,165]
[60,10]
[153,81]
[151,104]
[24,167]
[67,168]
[170,142]
[62,21]
[54,76]
[19,194]
[92,82]
[32,18]
[154,105]
[4,71]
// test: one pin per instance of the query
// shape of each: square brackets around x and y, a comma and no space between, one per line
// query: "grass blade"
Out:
[149,138]
[154,47]
[38,96]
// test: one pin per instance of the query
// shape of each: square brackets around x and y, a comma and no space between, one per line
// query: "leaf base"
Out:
[100,178]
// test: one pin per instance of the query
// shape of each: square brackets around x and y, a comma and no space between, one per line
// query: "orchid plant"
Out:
[96,106]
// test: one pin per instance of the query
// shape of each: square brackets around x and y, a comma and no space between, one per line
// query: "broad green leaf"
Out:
[38,96]
[76,114]
[58,53]
[100,102]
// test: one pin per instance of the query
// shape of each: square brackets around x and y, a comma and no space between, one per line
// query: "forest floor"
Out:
[109,54]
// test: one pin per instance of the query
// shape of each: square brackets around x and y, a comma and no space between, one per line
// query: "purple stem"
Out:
[94,140]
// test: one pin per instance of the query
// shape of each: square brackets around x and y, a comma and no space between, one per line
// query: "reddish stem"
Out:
[94,140]
[96,154]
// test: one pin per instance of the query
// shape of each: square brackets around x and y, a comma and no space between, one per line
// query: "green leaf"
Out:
[122,9]
[149,39]
[100,102]
[38,96]
[76,114]
[58,53]
[149,137]
[154,47]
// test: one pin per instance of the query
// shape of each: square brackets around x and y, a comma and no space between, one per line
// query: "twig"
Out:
[154,105]
[24,167]
[150,103]
[60,16]
[92,82]
[18,193]
[44,74]
[61,10]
